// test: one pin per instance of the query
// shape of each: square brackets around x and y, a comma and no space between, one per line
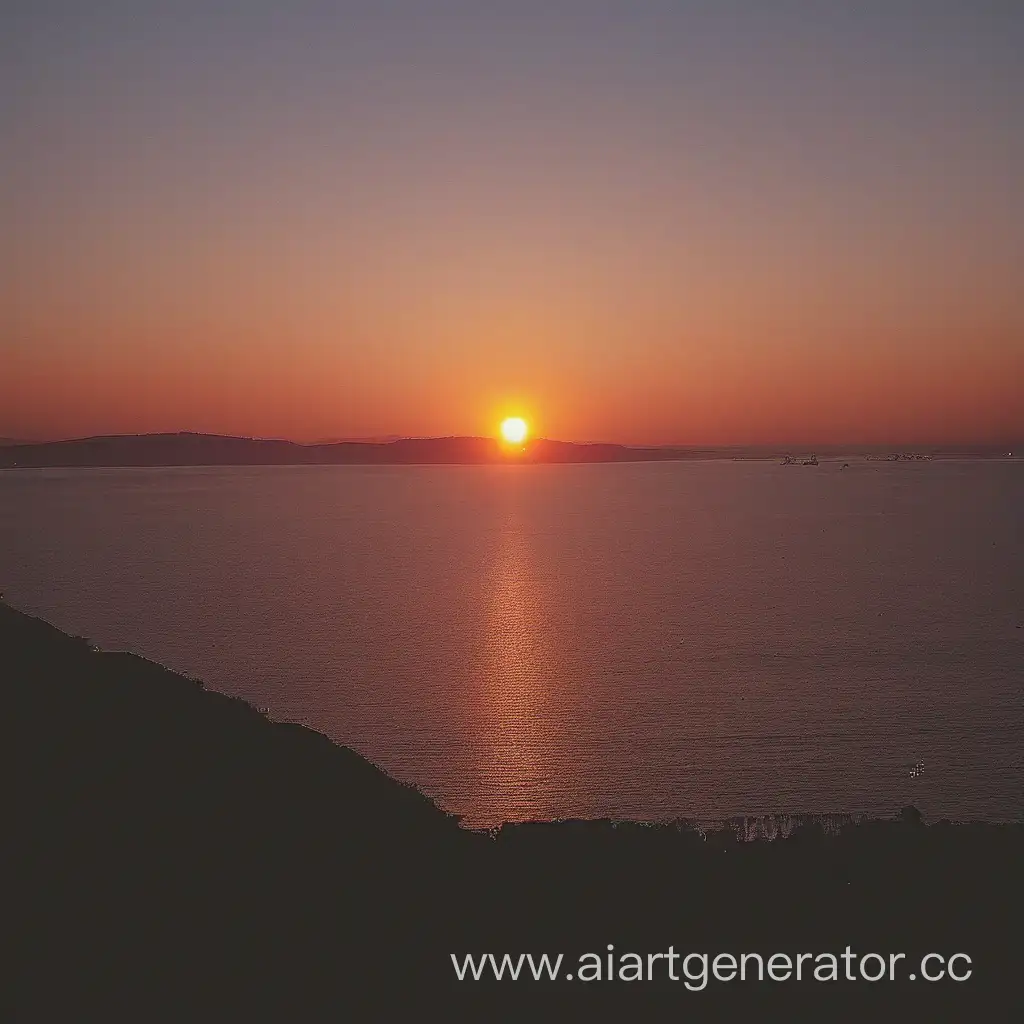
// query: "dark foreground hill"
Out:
[178,856]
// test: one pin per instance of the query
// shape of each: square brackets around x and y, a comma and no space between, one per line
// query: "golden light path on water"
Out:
[523,706]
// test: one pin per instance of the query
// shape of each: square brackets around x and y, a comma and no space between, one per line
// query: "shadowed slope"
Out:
[185,858]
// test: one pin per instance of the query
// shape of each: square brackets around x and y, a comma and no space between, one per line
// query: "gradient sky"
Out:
[638,221]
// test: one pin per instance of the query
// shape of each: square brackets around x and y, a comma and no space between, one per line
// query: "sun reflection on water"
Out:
[521,711]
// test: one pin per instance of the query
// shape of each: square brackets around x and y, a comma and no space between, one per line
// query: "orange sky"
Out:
[702,227]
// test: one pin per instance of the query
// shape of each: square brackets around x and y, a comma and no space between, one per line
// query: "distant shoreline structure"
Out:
[195,449]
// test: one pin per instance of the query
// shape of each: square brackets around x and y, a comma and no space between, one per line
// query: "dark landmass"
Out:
[214,450]
[188,449]
[178,856]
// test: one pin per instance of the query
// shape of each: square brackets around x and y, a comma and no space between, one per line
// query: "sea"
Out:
[702,640]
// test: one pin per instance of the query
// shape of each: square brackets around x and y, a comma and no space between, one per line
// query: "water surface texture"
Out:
[644,641]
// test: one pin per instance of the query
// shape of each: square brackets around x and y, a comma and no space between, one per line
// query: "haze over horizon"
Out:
[791,445]
[692,223]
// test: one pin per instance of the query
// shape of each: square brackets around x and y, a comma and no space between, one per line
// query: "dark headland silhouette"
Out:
[188,449]
[179,856]
[194,449]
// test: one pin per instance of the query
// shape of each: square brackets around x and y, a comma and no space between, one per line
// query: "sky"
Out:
[644,221]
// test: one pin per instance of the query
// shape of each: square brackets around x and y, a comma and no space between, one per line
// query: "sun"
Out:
[514,430]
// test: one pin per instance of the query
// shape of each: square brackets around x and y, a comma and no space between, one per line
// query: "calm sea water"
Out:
[642,641]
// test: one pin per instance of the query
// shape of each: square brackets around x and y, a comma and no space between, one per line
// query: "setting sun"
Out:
[514,430]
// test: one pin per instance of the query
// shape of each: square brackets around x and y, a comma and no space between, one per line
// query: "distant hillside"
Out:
[188,449]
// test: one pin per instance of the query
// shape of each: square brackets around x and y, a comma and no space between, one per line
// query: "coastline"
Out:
[192,449]
[185,851]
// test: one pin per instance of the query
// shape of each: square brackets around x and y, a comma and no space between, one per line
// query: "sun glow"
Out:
[514,430]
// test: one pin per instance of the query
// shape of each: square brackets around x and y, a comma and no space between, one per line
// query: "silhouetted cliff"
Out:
[184,858]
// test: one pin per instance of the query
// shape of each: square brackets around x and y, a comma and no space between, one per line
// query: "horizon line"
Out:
[380,440]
